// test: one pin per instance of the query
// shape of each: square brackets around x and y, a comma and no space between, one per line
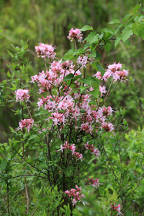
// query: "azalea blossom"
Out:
[72,148]
[78,155]
[82,60]
[98,75]
[94,182]
[75,34]
[58,118]
[116,208]
[105,111]
[45,50]
[75,194]
[102,90]
[86,127]
[26,123]
[116,72]
[107,126]
[92,149]
[22,94]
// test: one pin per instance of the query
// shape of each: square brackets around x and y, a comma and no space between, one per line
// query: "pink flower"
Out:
[106,111]
[86,127]
[74,201]
[114,67]
[107,75]
[22,94]
[120,75]
[75,34]
[56,67]
[34,78]
[72,148]
[45,50]
[66,103]
[102,90]
[78,155]
[91,89]
[40,103]
[48,103]
[115,71]
[58,118]
[98,75]
[107,126]
[82,60]
[75,194]
[67,192]
[92,149]
[96,152]
[94,182]
[26,123]
[67,146]
[116,208]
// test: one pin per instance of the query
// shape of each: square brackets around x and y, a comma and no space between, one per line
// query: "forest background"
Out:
[25,23]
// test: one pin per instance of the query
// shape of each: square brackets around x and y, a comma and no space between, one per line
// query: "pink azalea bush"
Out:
[75,109]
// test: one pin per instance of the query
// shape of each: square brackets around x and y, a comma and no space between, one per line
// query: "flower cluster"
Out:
[22,94]
[115,71]
[45,50]
[93,182]
[72,148]
[64,107]
[92,149]
[107,126]
[55,75]
[75,34]
[75,194]
[26,123]
[76,106]
[82,60]
[105,111]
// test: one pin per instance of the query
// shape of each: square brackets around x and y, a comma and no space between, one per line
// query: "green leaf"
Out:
[95,93]
[117,41]
[92,38]
[69,54]
[83,89]
[126,33]
[138,29]
[69,77]
[100,68]
[86,28]
[3,164]
[108,46]
[114,21]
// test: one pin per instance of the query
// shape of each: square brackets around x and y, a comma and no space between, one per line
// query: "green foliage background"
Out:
[25,23]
